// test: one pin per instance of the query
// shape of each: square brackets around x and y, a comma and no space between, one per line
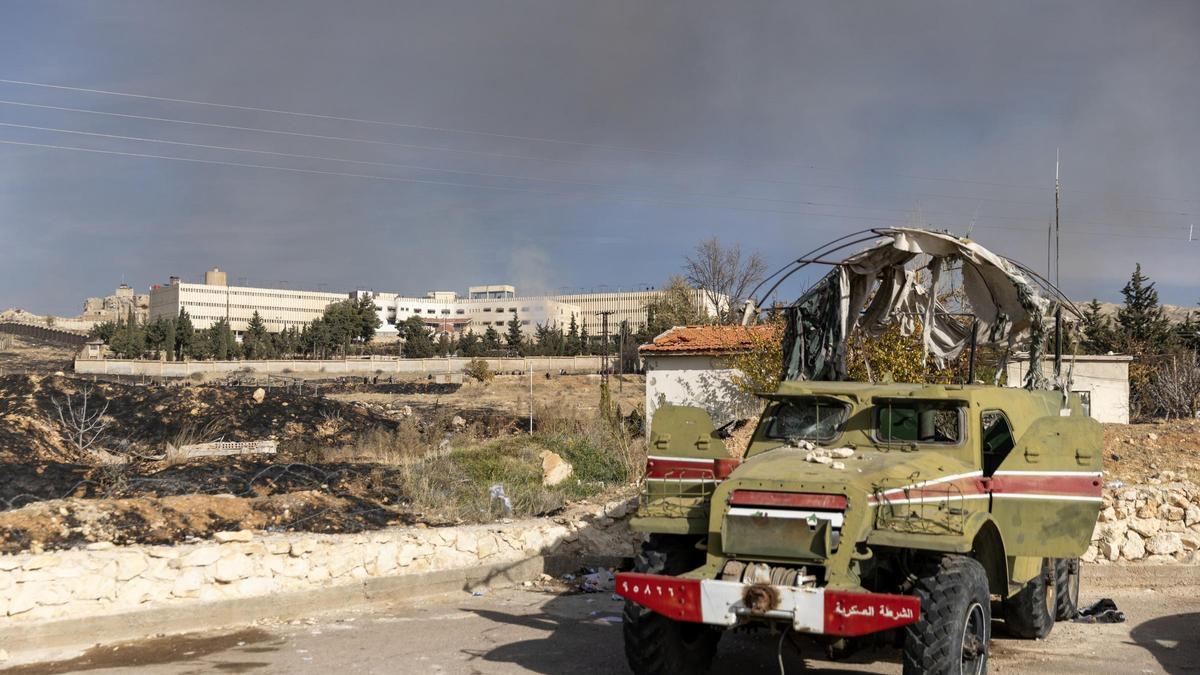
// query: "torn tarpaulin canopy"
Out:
[876,289]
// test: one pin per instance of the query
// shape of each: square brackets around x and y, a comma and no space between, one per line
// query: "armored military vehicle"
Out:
[909,513]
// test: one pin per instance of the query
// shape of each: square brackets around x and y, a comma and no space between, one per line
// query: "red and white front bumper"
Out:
[810,610]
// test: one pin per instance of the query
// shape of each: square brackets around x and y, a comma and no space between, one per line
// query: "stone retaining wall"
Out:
[1158,522]
[104,579]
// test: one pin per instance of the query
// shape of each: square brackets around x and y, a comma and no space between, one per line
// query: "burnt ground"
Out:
[54,496]
[362,459]
[147,417]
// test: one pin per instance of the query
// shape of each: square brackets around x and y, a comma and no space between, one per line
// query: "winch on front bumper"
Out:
[809,609]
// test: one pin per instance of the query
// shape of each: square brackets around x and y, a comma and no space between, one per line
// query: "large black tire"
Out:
[654,644]
[1029,614]
[1066,589]
[951,637]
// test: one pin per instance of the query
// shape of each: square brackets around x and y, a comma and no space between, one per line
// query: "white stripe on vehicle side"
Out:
[1070,498]
[924,500]
[933,481]
[693,460]
[682,480]
[1091,474]
[749,511]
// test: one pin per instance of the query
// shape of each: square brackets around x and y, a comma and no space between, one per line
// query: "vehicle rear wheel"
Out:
[1030,613]
[1066,589]
[951,637]
[655,644]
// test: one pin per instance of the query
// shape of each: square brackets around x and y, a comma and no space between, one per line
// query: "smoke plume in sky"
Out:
[571,144]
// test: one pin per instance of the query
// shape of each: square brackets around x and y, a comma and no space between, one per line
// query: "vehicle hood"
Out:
[788,469]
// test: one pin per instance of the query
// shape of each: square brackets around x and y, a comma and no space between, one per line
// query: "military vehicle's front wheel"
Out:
[951,637]
[1030,613]
[655,644]
[1066,589]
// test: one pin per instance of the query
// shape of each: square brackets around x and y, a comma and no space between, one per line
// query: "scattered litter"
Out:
[1116,484]
[496,492]
[611,619]
[1103,611]
[478,594]
[592,580]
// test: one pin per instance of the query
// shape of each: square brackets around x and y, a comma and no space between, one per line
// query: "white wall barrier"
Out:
[333,368]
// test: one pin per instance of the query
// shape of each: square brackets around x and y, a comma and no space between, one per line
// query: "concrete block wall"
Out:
[102,579]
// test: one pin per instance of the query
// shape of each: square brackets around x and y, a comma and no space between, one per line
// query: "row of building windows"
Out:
[221,290]
[259,308]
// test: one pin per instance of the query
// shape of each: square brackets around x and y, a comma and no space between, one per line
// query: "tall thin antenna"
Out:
[1057,190]
[1049,248]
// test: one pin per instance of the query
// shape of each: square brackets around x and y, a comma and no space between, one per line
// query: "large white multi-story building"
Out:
[493,306]
[214,300]
[446,312]
[443,311]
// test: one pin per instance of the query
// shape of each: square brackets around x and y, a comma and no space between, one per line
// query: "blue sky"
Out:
[564,144]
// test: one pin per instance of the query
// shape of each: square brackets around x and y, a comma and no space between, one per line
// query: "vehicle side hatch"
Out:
[1046,491]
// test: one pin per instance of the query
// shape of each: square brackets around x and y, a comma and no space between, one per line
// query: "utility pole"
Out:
[604,331]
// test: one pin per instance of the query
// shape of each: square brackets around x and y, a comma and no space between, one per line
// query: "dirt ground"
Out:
[19,354]
[546,631]
[1134,453]
[509,394]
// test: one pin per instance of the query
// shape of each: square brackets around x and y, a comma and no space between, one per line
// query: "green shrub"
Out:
[478,370]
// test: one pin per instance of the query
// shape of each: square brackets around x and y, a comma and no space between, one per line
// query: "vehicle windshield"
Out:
[808,418]
[918,421]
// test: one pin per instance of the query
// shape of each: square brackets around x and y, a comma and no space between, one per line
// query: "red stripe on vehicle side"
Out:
[960,487]
[1082,485]
[680,468]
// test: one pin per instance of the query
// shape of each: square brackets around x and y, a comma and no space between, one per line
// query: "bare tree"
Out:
[82,423]
[1175,386]
[723,275]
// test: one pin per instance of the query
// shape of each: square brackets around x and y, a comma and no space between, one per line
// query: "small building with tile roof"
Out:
[688,365]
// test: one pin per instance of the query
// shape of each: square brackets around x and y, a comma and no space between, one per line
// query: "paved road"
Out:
[533,631]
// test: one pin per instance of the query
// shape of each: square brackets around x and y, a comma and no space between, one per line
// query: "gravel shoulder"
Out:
[546,631]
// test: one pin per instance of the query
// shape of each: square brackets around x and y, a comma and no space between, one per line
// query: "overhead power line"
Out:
[534,158]
[516,137]
[482,153]
[420,181]
[593,184]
